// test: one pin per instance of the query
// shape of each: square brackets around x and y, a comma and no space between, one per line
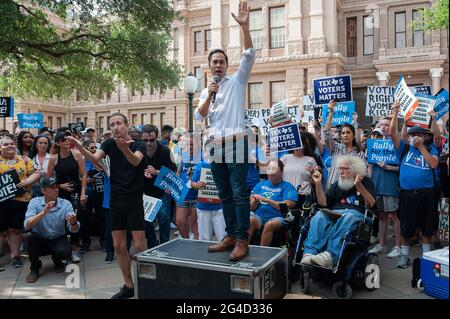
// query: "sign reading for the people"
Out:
[279,115]
[76,127]
[337,88]
[169,181]
[381,151]
[261,117]
[379,100]
[343,113]
[6,106]
[209,194]
[35,120]
[151,207]
[408,102]
[420,116]
[8,185]
[311,110]
[284,138]
[421,89]
[441,106]
[443,219]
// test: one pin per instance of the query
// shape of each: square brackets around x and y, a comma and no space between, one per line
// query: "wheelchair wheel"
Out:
[342,290]
[305,282]
[372,273]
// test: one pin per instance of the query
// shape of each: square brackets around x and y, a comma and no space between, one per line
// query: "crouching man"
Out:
[48,216]
[347,199]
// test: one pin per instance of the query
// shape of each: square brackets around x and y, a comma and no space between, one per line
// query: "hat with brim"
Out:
[420,130]
[48,181]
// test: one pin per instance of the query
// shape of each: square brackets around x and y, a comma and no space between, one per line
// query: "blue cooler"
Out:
[434,273]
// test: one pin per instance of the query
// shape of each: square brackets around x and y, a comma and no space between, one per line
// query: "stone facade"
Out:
[315,45]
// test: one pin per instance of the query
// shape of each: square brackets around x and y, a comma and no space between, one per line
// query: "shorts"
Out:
[127,215]
[12,214]
[262,220]
[387,204]
[187,204]
[417,212]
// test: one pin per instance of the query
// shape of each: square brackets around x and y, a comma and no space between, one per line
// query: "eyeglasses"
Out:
[149,141]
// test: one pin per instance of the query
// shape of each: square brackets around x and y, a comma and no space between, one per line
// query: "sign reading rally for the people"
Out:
[8,185]
[408,102]
[168,180]
[420,116]
[337,88]
[209,194]
[76,127]
[343,113]
[379,100]
[381,151]
[421,89]
[151,207]
[311,110]
[6,106]
[35,120]
[261,117]
[441,106]
[279,114]
[443,219]
[284,138]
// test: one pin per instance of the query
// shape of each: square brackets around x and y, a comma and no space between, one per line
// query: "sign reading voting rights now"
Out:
[284,138]
[337,88]
[6,106]
[343,113]
[151,207]
[8,185]
[441,106]
[381,151]
[168,180]
[35,120]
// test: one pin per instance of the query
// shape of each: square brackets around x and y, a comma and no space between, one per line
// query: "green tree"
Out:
[434,18]
[49,48]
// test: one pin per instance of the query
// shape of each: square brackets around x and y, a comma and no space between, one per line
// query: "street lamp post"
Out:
[190,86]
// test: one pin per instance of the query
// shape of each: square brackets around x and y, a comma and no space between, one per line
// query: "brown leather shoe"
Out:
[240,250]
[32,276]
[227,243]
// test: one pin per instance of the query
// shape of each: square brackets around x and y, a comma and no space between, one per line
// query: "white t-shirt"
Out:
[295,171]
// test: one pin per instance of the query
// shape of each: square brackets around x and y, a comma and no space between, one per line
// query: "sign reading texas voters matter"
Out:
[343,113]
[8,185]
[168,180]
[381,151]
[151,207]
[337,88]
[420,116]
[379,100]
[209,194]
[283,138]
[6,106]
[35,120]
[408,102]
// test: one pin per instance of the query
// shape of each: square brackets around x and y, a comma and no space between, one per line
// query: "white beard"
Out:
[345,183]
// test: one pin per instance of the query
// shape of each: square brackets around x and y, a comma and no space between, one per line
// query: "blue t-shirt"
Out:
[196,178]
[327,159]
[107,190]
[184,175]
[280,192]
[415,173]
[386,182]
[252,175]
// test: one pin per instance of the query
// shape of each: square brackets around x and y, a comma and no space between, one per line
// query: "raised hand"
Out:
[396,107]
[244,10]
[122,144]
[331,106]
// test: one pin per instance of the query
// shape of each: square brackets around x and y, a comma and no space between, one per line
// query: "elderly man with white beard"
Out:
[347,198]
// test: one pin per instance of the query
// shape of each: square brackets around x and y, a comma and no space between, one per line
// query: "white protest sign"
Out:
[443,219]
[209,194]
[379,100]
[408,102]
[279,114]
[151,207]
[260,117]
[420,116]
[311,110]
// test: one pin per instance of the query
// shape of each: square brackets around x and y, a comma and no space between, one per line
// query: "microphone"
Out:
[216,79]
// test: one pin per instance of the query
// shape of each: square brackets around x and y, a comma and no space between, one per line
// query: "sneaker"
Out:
[404,262]
[124,293]
[32,276]
[395,252]
[109,258]
[378,248]
[75,257]
[306,260]
[16,262]
[173,226]
[373,240]
[323,260]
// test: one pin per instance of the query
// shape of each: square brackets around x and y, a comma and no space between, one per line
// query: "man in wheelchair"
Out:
[346,200]
[266,202]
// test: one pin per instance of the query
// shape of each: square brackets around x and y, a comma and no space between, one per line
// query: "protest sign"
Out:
[151,207]
[8,185]
[379,100]
[6,106]
[441,106]
[408,102]
[381,151]
[443,219]
[284,138]
[421,89]
[35,120]
[76,127]
[311,110]
[279,114]
[260,117]
[420,116]
[168,180]
[343,113]
[107,164]
[337,88]
[209,194]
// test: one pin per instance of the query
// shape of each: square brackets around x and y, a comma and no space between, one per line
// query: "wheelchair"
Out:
[355,265]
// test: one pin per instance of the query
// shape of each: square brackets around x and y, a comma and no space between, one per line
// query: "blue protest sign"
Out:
[343,113]
[151,207]
[6,106]
[168,180]
[381,151]
[421,89]
[283,138]
[441,106]
[337,88]
[35,120]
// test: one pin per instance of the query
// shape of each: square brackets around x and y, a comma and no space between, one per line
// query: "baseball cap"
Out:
[61,135]
[377,130]
[89,129]
[418,129]
[48,181]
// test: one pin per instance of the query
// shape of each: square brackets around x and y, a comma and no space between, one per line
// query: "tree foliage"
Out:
[49,48]
[434,18]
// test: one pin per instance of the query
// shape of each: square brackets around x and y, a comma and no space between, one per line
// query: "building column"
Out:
[436,79]
[316,41]
[295,85]
[216,24]
[383,78]
[234,46]
[295,40]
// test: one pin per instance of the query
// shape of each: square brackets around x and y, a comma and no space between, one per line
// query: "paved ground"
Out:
[99,280]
